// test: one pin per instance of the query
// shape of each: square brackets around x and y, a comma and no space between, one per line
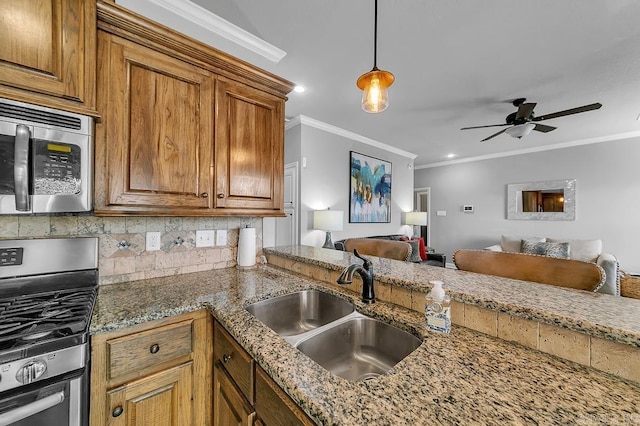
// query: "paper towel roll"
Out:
[247,247]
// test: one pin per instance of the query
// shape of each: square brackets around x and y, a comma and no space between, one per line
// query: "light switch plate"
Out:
[221,237]
[205,238]
[153,241]
[441,213]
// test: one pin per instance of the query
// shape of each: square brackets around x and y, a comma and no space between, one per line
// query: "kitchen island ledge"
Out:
[463,378]
[601,315]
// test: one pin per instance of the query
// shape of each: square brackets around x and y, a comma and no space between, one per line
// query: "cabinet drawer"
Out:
[235,360]
[135,352]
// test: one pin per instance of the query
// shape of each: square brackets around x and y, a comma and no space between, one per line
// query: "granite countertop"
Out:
[601,315]
[463,378]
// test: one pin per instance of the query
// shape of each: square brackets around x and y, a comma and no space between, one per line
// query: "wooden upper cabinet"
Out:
[47,53]
[155,146]
[186,130]
[249,148]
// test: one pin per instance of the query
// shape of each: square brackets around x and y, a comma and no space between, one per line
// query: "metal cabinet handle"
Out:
[226,358]
[221,195]
[117,411]
[21,168]
[154,349]
[205,195]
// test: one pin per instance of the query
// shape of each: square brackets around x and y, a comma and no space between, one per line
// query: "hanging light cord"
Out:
[375,36]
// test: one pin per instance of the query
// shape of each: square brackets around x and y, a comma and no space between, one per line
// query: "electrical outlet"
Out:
[153,240]
[205,238]
[221,237]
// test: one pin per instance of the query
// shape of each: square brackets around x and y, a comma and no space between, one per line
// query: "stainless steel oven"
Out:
[45,160]
[47,292]
[59,403]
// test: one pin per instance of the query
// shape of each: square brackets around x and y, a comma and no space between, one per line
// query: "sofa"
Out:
[574,249]
[389,249]
[576,274]
[419,253]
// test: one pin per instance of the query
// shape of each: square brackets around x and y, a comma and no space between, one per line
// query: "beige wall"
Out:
[134,262]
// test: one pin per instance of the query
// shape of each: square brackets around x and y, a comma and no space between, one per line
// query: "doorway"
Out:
[286,228]
[422,203]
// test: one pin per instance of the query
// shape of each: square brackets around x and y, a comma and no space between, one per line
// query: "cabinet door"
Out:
[274,407]
[249,147]
[163,399]
[47,47]
[154,146]
[229,406]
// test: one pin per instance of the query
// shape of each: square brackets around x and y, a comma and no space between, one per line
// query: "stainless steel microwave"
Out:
[46,160]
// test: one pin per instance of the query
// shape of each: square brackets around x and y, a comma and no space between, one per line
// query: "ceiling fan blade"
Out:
[494,135]
[482,127]
[577,110]
[544,128]
[525,110]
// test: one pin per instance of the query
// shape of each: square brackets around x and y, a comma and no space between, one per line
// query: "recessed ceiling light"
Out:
[450,155]
[299,89]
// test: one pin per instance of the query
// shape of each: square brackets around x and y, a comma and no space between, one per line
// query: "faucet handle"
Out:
[367,262]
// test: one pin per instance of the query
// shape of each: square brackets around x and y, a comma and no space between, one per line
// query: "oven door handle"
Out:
[21,168]
[31,409]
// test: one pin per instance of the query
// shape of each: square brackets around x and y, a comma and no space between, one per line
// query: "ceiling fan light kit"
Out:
[520,130]
[374,84]
[523,121]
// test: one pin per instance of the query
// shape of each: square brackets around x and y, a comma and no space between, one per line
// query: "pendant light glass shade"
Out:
[374,85]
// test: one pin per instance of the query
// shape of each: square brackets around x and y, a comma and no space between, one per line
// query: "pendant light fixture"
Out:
[374,84]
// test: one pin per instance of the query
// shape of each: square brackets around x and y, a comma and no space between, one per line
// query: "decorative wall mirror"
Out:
[547,200]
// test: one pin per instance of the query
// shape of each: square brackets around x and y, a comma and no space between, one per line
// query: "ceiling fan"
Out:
[523,121]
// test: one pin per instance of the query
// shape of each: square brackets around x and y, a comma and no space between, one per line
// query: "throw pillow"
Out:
[423,251]
[513,244]
[560,250]
[586,250]
[415,251]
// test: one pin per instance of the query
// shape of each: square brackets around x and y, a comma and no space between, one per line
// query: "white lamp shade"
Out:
[415,218]
[328,220]
[520,130]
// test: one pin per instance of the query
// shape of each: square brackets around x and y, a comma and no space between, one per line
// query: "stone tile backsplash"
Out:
[122,241]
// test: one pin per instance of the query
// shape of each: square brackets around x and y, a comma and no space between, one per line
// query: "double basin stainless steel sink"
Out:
[331,332]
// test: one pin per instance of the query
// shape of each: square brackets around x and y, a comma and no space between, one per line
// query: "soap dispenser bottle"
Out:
[438,309]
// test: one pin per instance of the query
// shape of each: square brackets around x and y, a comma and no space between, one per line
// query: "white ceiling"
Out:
[457,63]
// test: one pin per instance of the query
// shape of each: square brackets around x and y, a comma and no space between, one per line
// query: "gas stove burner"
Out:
[32,319]
[46,302]
[37,332]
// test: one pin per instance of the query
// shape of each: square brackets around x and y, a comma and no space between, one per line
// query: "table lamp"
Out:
[415,219]
[328,220]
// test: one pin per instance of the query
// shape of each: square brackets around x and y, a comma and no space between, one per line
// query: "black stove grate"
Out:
[31,318]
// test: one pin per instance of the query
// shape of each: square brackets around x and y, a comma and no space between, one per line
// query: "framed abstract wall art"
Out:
[370,189]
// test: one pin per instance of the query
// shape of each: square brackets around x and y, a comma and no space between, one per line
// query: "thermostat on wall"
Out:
[467,208]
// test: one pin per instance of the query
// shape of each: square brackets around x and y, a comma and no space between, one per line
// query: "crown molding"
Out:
[303,119]
[215,25]
[618,136]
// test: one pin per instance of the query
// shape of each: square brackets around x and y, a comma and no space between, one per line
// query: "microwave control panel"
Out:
[56,168]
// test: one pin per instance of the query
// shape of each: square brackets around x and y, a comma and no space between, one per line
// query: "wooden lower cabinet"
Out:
[243,392]
[274,407]
[230,407]
[162,399]
[156,373]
